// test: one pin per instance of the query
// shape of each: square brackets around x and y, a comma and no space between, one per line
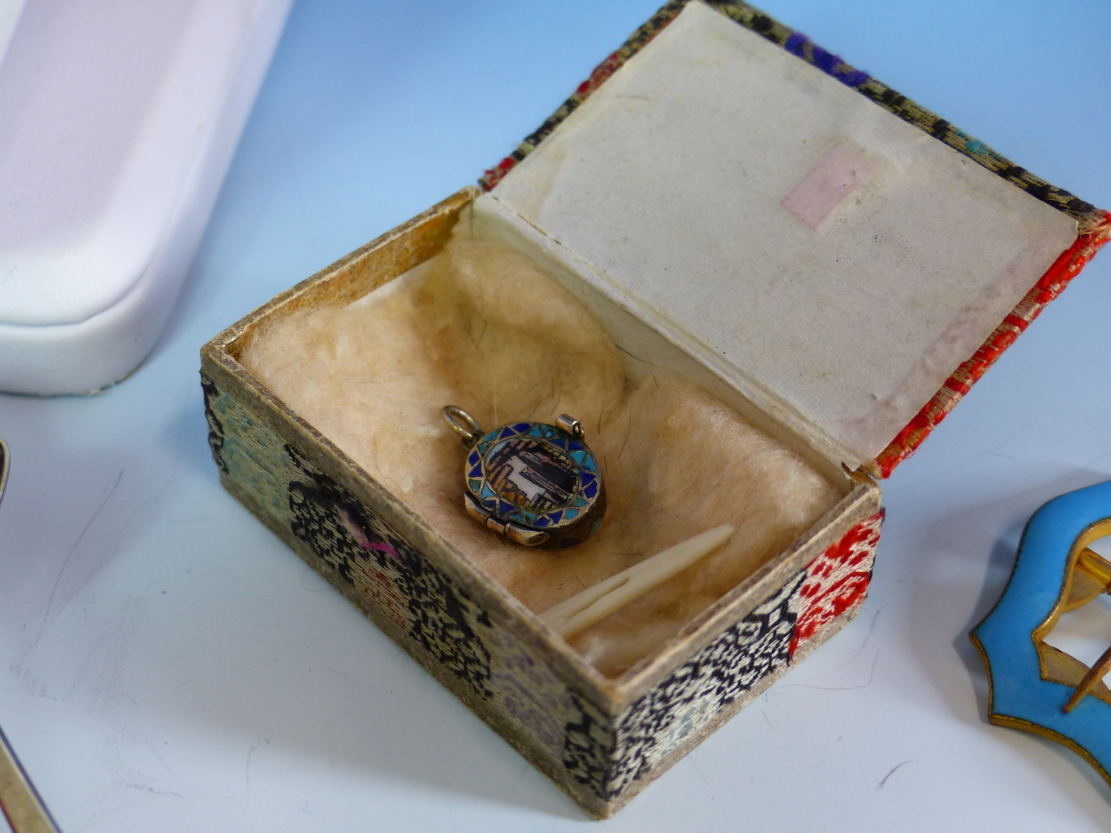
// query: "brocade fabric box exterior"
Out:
[600,740]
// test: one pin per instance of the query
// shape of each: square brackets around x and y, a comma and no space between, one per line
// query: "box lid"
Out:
[852,262]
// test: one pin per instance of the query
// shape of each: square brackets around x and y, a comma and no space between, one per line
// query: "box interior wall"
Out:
[362,378]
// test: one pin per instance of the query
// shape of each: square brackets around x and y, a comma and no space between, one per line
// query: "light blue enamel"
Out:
[1005,635]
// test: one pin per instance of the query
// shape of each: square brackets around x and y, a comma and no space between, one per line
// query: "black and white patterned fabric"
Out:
[215,427]
[609,760]
[328,518]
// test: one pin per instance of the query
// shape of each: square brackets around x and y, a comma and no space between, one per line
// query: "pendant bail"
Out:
[463,424]
[571,425]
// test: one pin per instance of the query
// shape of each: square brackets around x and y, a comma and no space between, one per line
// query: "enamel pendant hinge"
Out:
[514,532]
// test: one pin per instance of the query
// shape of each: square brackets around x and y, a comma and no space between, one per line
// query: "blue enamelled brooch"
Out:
[1034,686]
[534,483]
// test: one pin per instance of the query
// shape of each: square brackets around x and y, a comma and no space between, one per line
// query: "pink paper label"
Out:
[840,172]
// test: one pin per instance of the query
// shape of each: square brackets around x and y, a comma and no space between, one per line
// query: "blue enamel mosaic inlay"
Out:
[518,490]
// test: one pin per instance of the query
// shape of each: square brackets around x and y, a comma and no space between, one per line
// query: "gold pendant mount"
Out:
[463,424]
[536,484]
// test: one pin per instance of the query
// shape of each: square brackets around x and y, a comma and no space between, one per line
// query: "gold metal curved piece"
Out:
[19,800]
[463,424]
[1094,675]
[571,425]
[3,466]
[474,510]
[1091,578]
[526,537]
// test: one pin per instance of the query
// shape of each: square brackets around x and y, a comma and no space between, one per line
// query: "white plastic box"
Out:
[117,124]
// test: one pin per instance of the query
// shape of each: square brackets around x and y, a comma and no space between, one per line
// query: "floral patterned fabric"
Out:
[600,758]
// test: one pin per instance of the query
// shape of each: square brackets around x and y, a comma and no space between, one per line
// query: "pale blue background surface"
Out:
[167,665]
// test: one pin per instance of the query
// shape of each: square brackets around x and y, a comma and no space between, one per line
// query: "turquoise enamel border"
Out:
[589,479]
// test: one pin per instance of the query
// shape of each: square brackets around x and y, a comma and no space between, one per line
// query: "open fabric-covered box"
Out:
[758,277]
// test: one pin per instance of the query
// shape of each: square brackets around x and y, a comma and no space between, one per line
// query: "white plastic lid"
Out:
[117,123]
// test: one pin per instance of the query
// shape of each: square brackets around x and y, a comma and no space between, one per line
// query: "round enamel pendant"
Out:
[534,483]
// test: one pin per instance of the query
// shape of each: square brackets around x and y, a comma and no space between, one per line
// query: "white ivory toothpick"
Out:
[600,600]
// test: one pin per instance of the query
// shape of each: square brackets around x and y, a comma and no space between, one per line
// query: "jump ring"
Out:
[463,424]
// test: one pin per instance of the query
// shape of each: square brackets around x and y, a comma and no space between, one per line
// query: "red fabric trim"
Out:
[837,580]
[598,76]
[1052,283]
[493,176]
